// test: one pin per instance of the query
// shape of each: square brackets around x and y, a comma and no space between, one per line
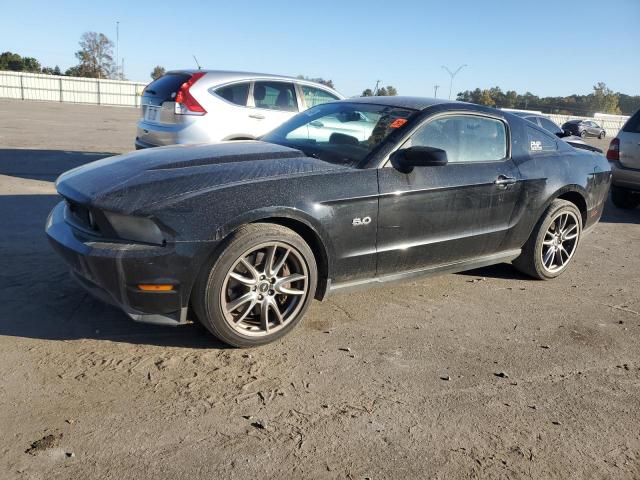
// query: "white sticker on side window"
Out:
[536,145]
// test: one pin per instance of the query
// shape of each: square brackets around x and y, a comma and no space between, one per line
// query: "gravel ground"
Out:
[485,374]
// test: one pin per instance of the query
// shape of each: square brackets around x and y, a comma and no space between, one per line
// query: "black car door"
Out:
[445,214]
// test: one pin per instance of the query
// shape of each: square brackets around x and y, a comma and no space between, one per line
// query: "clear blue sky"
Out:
[546,47]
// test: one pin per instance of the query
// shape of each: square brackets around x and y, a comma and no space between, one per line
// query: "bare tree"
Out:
[95,56]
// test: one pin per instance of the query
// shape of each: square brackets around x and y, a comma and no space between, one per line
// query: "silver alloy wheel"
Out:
[560,241]
[265,289]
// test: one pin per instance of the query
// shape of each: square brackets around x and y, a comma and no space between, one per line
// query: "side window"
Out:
[275,96]
[237,93]
[549,126]
[315,96]
[538,141]
[465,138]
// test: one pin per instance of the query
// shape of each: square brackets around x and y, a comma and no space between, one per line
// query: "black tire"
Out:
[530,260]
[602,135]
[623,198]
[206,297]
[583,134]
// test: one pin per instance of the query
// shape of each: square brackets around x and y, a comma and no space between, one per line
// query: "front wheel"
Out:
[259,286]
[552,243]
[623,198]
[583,134]
[602,135]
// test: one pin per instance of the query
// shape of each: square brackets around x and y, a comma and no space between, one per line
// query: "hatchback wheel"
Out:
[583,133]
[602,135]
[259,286]
[553,243]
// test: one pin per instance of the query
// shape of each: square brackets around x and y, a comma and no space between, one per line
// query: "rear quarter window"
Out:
[236,94]
[540,142]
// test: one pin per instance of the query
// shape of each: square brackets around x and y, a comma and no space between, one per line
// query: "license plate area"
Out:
[152,114]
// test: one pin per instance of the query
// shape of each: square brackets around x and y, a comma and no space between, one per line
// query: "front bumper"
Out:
[112,271]
[628,178]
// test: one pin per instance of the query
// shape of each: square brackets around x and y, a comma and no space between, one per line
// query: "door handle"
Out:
[504,181]
[257,116]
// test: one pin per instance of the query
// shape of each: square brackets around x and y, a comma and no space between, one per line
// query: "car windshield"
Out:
[340,132]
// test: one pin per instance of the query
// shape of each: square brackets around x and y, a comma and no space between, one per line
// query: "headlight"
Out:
[136,229]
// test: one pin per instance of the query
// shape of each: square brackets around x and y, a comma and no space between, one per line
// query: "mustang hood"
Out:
[127,183]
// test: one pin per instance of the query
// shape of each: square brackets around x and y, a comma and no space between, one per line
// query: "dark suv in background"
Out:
[584,128]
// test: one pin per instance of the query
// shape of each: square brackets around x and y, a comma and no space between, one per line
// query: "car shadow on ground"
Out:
[43,164]
[613,214]
[38,297]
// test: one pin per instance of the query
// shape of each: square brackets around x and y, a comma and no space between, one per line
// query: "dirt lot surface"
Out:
[485,374]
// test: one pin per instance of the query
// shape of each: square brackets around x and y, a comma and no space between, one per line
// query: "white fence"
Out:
[34,86]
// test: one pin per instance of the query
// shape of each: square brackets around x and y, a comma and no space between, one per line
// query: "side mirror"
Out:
[406,159]
[563,134]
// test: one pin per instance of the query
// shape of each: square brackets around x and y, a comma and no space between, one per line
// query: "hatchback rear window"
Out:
[633,124]
[166,87]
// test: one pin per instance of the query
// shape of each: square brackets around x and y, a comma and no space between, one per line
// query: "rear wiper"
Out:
[152,92]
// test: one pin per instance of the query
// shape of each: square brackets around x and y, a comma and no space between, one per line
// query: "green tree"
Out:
[95,57]
[391,91]
[367,93]
[157,72]
[52,71]
[510,99]
[14,62]
[486,99]
[604,100]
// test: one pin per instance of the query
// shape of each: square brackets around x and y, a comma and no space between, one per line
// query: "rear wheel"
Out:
[552,243]
[259,286]
[623,198]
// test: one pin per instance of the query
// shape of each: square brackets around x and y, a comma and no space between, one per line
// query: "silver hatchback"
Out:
[624,157]
[200,106]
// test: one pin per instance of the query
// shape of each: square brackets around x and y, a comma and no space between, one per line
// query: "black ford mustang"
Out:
[346,194]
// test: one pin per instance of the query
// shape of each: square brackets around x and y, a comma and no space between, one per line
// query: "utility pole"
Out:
[117,50]
[452,75]
[435,91]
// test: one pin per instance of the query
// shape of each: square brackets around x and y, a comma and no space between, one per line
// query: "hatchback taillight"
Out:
[614,150]
[186,104]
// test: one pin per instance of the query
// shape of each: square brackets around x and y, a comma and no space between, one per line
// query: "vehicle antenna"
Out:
[199,67]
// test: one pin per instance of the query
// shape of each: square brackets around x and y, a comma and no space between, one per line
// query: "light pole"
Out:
[452,75]
[435,91]
[117,50]
[375,90]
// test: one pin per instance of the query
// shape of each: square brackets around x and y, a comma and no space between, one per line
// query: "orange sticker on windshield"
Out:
[398,123]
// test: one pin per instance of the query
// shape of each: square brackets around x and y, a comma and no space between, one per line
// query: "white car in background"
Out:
[201,106]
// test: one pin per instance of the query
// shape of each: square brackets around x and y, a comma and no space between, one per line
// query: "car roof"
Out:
[524,114]
[231,76]
[416,103]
